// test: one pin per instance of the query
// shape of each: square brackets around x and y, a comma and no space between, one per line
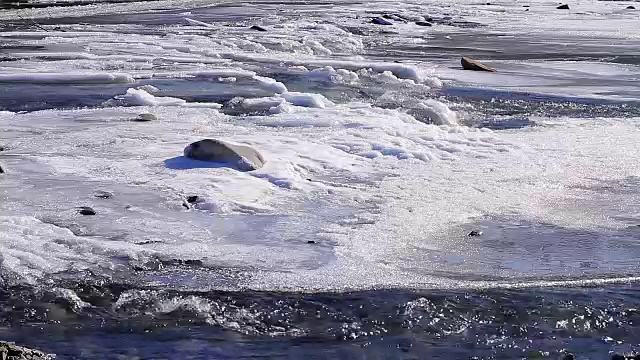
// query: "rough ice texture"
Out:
[359,158]
[66,78]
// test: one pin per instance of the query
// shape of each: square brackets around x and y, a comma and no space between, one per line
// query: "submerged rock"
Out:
[85,210]
[10,351]
[380,21]
[257,28]
[146,117]
[242,157]
[563,7]
[470,64]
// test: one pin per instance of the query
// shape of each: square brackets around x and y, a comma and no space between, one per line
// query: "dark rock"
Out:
[617,357]
[241,157]
[1,170]
[474,233]
[191,199]
[631,7]
[257,28]
[146,117]
[569,356]
[9,351]
[563,7]
[100,194]
[187,262]
[525,6]
[428,18]
[470,64]
[311,241]
[395,17]
[380,21]
[2,148]
[423,23]
[85,210]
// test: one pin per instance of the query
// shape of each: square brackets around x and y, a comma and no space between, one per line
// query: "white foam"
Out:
[139,97]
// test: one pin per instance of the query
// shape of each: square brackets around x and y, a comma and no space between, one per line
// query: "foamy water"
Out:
[379,148]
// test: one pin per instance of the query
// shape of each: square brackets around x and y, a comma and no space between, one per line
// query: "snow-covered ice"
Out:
[378,147]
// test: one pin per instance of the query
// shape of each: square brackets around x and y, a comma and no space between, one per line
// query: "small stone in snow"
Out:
[475,233]
[563,7]
[100,194]
[85,210]
[381,21]
[191,199]
[146,117]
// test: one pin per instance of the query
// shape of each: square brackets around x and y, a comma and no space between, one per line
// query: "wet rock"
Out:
[192,199]
[242,157]
[423,23]
[474,233]
[1,169]
[100,194]
[257,28]
[10,351]
[380,21]
[311,241]
[617,357]
[146,117]
[563,7]
[470,64]
[569,356]
[631,7]
[85,210]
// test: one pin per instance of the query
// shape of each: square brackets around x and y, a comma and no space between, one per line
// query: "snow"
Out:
[366,132]
[139,97]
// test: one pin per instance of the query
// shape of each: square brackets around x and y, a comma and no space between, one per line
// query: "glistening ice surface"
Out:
[382,155]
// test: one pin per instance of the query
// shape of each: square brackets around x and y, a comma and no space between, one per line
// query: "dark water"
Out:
[128,323]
